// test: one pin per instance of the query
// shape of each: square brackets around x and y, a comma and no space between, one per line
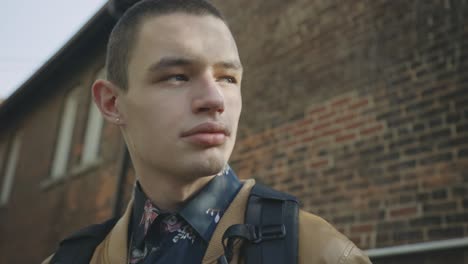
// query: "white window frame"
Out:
[10,171]
[63,147]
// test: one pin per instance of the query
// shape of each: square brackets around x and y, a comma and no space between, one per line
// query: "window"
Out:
[88,156]
[62,150]
[93,135]
[93,131]
[10,170]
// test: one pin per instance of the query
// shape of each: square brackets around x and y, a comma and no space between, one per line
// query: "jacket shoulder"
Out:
[320,242]
[80,246]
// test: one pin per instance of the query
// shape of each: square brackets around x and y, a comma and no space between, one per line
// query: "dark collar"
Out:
[203,211]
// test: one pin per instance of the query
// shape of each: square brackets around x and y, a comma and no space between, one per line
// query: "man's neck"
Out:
[170,195]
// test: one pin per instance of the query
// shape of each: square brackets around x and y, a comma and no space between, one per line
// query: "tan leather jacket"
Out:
[319,242]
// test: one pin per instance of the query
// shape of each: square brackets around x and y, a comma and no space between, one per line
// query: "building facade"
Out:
[359,108]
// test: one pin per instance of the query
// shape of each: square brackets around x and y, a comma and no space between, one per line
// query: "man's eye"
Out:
[176,77]
[228,79]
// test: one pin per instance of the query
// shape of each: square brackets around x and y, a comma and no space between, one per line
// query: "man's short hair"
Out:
[124,34]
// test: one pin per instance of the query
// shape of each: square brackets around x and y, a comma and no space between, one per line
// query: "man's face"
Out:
[183,102]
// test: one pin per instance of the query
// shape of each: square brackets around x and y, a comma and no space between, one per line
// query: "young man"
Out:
[174,89]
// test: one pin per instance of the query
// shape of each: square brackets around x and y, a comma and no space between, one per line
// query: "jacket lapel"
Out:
[113,250]
[233,215]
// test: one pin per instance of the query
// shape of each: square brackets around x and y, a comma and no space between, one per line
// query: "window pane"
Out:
[10,171]
[62,150]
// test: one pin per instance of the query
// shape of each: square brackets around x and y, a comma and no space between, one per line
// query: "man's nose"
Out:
[208,97]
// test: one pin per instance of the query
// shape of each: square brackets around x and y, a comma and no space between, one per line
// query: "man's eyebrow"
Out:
[231,65]
[168,62]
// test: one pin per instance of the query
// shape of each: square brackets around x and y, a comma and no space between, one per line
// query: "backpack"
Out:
[270,232]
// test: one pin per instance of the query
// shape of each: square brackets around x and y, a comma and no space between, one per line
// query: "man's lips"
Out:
[207,128]
[207,134]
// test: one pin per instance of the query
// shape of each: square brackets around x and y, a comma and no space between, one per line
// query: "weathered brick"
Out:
[465,203]
[402,166]
[437,158]
[387,157]
[413,235]
[402,142]
[461,104]
[385,179]
[403,131]
[457,218]
[362,228]
[454,142]
[452,96]
[375,215]
[322,126]
[445,233]
[419,106]
[460,191]
[436,122]
[356,124]
[372,151]
[359,104]
[453,118]
[340,102]
[418,149]
[433,112]
[426,221]
[345,118]
[462,128]
[417,127]
[391,114]
[392,225]
[326,116]
[330,132]
[437,134]
[440,207]
[345,138]
[404,212]
[400,121]
[439,194]
[371,130]
[432,90]
[316,110]
[318,164]
[463,153]
[423,197]
[345,219]
[404,99]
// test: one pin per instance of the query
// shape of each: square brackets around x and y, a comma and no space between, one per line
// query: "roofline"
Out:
[26,96]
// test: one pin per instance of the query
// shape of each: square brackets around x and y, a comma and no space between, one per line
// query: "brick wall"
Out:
[360,108]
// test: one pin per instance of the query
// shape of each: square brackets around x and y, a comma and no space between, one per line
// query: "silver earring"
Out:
[117,120]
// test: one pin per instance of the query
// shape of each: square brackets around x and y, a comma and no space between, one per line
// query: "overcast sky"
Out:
[32,31]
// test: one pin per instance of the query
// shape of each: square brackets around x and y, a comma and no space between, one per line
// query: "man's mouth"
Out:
[208,134]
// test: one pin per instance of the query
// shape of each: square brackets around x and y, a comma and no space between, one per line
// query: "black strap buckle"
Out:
[253,234]
[268,232]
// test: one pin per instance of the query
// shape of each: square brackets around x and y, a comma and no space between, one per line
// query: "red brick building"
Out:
[359,108]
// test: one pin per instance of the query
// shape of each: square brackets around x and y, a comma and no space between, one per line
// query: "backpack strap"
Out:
[79,247]
[270,229]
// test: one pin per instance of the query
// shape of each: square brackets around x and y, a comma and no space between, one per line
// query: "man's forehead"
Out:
[180,21]
[205,38]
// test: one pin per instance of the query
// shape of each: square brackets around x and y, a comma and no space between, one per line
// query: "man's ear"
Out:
[105,96]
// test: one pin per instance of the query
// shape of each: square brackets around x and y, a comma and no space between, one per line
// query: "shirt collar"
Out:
[202,212]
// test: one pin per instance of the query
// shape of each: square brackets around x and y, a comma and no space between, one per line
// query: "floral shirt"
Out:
[156,236]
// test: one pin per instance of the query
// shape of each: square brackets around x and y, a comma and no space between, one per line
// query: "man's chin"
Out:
[206,167]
